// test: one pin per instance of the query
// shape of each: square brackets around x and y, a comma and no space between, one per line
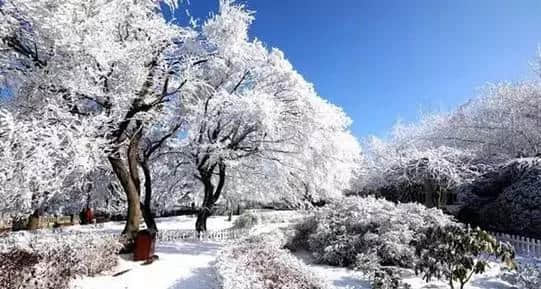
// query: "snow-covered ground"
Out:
[181,265]
[339,278]
[488,280]
[343,278]
[189,264]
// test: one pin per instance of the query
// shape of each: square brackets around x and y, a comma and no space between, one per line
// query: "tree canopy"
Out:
[111,88]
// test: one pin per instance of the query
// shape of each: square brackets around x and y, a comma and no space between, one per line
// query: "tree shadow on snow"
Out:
[201,278]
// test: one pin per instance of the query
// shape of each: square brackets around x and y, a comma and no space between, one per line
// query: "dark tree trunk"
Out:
[428,189]
[211,195]
[206,207]
[146,205]
[201,222]
[128,176]
[132,194]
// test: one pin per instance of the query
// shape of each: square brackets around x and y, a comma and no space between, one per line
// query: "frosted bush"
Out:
[261,263]
[246,220]
[527,276]
[339,232]
[281,217]
[35,261]
[384,278]
[249,218]
[456,253]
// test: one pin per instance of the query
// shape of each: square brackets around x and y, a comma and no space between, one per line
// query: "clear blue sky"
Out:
[383,60]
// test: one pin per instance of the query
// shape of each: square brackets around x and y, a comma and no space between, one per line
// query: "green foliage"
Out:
[381,277]
[385,278]
[457,253]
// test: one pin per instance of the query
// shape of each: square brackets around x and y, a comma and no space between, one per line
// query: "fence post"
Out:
[518,244]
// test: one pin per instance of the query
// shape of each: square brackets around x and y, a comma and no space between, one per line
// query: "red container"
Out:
[86,216]
[89,215]
[145,243]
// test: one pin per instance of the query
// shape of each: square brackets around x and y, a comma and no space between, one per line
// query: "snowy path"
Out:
[338,278]
[182,265]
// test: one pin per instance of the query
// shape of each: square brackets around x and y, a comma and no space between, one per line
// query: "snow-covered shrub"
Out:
[51,261]
[339,232]
[381,277]
[527,276]
[281,217]
[457,253]
[260,263]
[246,220]
[506,199]
[250,218]
[15,266]
[385,278]
[95,254]
[302,233]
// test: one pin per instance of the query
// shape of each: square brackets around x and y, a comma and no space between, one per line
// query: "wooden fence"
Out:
[524,246]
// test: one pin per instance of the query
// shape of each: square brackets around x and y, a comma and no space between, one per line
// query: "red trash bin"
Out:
[86,216]
[145,242]
[89,216]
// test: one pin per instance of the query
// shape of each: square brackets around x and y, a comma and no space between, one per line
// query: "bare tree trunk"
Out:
[128,175]
[428,189]
[132,194]
[211,196]
[146,205]
[206,207]
[201,222]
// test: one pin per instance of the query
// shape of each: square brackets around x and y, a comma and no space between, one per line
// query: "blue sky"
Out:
[384,60]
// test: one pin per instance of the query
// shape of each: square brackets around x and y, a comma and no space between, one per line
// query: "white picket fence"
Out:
[221,235]
[524,246]
[188,235]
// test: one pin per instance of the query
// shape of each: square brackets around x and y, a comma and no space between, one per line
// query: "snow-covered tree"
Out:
[89,79]
[252,118]
[111,85]
[403,172]
[502,123]
[498,125]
